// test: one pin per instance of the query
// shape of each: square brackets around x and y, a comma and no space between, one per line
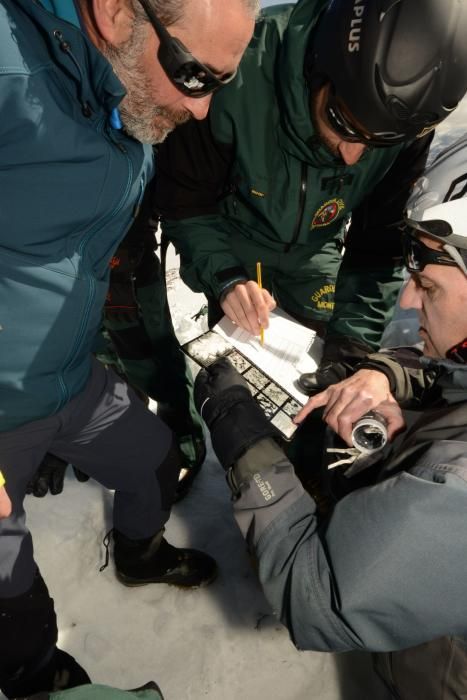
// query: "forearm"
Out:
[409,382]
[264,485]
[351,582]
[207,263]
[279,521]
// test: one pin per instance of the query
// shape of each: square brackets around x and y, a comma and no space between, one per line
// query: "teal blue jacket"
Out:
[69,186]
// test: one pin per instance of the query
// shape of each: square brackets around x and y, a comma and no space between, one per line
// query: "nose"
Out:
[410,297]
[351,152]
[198,106]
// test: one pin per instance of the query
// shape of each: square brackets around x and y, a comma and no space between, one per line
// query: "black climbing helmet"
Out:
[396,67]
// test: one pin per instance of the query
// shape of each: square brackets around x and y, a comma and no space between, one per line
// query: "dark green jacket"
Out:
[255,169]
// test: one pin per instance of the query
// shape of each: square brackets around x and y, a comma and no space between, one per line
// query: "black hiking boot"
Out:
[154,560]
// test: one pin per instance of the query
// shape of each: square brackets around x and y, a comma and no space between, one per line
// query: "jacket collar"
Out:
[96,81]
[65,9]
[452,378]
[298,136]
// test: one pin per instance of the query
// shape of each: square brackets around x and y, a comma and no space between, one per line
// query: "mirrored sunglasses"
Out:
[348,132]
[189,75]
[417,255]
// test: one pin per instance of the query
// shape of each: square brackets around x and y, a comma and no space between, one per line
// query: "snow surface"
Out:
[216,642]
[221,641]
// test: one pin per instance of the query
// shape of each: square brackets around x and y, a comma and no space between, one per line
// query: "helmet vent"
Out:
[425,119]
[398,108]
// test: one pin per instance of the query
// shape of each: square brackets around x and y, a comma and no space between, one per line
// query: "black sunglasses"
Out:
[348,132]
[189,75]
[417,255]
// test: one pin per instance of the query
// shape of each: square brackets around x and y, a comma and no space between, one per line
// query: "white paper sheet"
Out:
[285,353]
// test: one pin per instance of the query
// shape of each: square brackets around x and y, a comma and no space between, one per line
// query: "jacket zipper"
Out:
[301,206]
[66,48]
[92,285]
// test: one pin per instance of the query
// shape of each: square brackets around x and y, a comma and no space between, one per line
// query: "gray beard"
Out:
[149,123]
[141,118]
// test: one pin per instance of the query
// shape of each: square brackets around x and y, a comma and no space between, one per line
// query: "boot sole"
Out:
[135,583]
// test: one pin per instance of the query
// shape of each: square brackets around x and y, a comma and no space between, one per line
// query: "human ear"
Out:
[113,20]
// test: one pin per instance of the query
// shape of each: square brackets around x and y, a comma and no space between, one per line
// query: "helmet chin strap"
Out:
[458,352]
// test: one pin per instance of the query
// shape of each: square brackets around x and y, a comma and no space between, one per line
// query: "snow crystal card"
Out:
[269,370]
[289,349]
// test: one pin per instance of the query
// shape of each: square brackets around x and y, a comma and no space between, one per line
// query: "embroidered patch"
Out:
[323,298]
[327,213]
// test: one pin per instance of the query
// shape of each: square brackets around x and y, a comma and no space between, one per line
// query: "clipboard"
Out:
[278,404]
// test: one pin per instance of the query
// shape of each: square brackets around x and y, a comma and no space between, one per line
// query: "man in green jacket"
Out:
[329,116]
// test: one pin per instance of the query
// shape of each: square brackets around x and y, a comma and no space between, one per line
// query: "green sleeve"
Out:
[371,273]
[192,178]
[207,263]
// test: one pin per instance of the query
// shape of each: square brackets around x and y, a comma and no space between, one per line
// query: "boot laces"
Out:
[106,543]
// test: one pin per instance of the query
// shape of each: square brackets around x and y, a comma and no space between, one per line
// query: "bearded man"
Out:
[84,86]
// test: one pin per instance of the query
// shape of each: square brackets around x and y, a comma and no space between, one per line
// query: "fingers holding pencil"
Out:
[248,306]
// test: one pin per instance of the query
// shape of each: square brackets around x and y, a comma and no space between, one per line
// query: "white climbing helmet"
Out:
[437,206]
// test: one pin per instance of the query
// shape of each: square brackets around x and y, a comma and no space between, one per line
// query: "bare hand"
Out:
[391,410]
[349,399]
[248,306]
[5,504]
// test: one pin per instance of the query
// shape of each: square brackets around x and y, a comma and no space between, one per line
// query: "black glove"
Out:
[340,356]
[50,476]
[231,413]
[313,382]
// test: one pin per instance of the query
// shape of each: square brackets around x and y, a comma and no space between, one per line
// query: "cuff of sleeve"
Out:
[264,497]
[225,279]
[384,369]
[2,480]
[343,349]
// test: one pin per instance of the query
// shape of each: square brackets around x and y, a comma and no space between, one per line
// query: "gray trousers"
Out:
[108,433]
[436,670]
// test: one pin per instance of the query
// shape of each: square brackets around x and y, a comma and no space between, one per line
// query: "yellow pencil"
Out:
[260,285]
